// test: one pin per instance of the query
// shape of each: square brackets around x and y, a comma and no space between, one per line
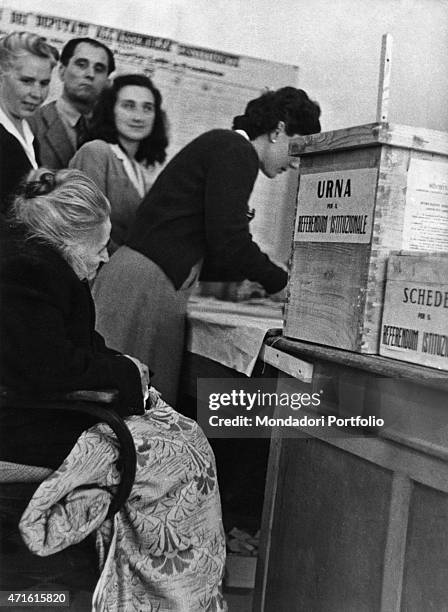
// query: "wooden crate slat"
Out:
[372,134]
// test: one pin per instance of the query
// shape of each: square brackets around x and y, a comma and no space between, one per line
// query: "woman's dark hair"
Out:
[152,148]
[288,104]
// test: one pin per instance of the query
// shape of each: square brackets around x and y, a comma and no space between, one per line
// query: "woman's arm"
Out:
[230,180]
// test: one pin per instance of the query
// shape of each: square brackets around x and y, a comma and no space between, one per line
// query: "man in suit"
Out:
[62,126]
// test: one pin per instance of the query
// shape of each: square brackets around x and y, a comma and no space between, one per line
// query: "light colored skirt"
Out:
[140,313]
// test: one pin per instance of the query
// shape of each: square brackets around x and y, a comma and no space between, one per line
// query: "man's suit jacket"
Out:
[55,146]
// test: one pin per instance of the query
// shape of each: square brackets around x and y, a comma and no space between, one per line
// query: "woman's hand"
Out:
[144,373]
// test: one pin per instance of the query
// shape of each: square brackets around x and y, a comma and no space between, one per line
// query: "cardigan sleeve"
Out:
[37,348]
[229,182]
[92,159]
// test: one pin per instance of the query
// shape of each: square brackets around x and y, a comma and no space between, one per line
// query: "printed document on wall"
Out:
[425,226]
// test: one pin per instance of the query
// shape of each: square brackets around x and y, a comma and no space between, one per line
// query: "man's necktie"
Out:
[82,131]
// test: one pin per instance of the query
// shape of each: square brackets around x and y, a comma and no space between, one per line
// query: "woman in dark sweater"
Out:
[50,248]
[197,209]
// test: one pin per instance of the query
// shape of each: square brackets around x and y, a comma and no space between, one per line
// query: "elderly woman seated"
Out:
[165,549]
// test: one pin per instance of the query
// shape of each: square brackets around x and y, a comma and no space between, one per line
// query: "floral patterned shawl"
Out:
[165,549]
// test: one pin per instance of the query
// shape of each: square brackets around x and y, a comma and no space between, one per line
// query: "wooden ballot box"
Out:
[415,316]
[363,192]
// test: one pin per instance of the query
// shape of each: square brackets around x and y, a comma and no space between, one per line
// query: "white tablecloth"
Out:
[231,333]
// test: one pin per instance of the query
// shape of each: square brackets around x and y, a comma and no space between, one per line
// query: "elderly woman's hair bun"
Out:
[61,207]
[39,182]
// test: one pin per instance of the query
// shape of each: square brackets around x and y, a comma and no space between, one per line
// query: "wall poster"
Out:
[201,89]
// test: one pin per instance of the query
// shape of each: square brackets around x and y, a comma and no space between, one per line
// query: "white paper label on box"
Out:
[425,225]
[415,323]
[336,206]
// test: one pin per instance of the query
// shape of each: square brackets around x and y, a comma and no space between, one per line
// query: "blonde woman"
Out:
[26,62]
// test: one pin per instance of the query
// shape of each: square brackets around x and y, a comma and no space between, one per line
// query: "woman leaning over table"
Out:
[197,210]
[26,62]
[129,141]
